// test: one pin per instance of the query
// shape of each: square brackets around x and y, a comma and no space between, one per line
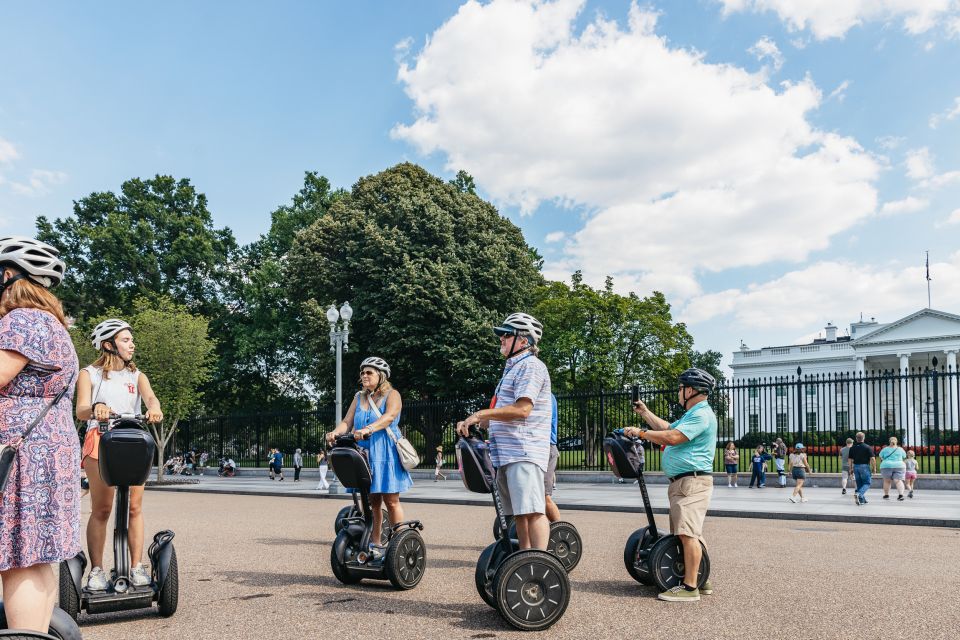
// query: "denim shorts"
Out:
[731,468]
[892,474]
[521,488]
[799,474]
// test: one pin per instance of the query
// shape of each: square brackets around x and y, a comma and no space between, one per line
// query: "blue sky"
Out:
[770,165]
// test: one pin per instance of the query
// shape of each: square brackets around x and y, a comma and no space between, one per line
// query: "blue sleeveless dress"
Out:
[389,476]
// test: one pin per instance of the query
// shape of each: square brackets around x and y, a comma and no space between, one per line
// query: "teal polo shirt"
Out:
[699,424]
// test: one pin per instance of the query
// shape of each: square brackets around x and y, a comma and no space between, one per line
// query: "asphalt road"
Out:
[258,567]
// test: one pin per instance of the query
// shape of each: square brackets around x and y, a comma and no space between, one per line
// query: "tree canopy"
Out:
[428,268]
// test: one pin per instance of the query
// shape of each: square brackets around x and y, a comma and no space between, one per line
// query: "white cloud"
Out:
[806,298]
[833,18]
[919,164]
[555,236]
[954,217]
[909,204]
[8,152]
[38,183]
[766,49]
[890,142]
[666,151]
[949,114]
[840,92]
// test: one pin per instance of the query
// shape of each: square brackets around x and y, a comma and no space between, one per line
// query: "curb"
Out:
[948,523]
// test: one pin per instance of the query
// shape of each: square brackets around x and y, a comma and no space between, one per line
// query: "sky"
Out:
[770,165]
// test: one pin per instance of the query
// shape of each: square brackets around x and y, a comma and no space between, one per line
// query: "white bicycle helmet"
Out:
[39,261]
[521,324]
[377,363]
[106,330]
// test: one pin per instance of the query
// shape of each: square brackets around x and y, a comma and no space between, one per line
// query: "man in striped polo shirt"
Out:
[519,425]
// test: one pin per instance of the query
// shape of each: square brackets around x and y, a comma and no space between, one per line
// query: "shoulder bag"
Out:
[408,455]
[8,452]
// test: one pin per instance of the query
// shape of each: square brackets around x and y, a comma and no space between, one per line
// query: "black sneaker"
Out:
[887,497]
[844,492]
[910,494]
[900,498]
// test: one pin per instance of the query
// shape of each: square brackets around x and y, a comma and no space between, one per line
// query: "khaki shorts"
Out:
[689,499]
[521,489]
[550,477]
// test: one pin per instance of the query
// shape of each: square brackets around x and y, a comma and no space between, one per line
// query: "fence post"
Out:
[220,431]
[258,422]
[800,406]
[936,421]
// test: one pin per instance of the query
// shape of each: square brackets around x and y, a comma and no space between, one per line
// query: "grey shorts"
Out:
[521,488]
[892,474]
[550,477]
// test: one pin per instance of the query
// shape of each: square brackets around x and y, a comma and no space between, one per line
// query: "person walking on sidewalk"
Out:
[758,467]
[436,472]
[862,464]
[798,468]
[297,465]
[911,471]
[690,445]
[892,468]
[779,459]
[323,485]
[731,460]
[845,474]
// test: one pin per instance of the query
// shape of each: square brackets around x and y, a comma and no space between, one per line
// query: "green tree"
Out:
[427,267]
[261,366]
[154,238]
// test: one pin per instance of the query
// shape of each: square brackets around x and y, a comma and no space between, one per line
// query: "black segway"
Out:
[565,541]
[62,627]
[529,588]
[404,560]
[356,511]
[651,556]
[127,452]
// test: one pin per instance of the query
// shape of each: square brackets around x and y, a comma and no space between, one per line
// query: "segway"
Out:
[565,541]
[355,511]
[404,560]
[127,452]
[651,556]
[529,588]
[62,627]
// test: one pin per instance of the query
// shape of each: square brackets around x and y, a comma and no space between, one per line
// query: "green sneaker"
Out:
[706,589]
[679,594]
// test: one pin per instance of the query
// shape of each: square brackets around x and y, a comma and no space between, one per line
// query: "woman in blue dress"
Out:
[375,409]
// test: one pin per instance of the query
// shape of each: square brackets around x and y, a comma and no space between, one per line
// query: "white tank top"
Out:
[120,392]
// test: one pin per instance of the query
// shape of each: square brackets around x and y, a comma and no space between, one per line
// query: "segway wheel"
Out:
[532,590]
[667,566]
[62,627]
[17,634]
[636,556]
[511,527]
[565,544]
[346,512]
[486,569]
[169,595]
[338,560]
[406,559]
[69,598]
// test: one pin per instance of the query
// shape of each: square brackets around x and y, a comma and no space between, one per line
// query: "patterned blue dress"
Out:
[389,476]
[40,507]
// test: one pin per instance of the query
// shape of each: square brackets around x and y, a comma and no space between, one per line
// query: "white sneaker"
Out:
[803,499]
[97,581]
[139,576]
[793,499]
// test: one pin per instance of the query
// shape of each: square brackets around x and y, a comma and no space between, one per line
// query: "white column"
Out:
[861,365]
[905,410]
[952,390]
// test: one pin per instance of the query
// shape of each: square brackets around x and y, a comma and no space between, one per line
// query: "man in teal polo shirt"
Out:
[690,444]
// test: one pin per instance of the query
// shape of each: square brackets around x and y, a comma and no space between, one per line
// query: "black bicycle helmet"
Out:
[698,379]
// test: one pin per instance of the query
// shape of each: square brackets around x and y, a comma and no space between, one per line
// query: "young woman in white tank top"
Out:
[112,384]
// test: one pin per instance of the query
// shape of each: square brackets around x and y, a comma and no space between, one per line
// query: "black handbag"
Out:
[8,452]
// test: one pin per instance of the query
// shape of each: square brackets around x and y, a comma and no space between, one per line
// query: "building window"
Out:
[781,391]
[843,420]
[889,418]
[811,390]
[753,391]
[754,422]
[783,422]
[811,419]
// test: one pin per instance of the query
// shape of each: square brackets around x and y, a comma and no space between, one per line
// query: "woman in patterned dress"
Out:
[390,479]
[40,508]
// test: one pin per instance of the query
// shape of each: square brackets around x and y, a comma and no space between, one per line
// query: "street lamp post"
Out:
[339,342]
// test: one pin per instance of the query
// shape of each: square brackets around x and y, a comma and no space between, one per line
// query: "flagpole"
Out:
[929,306]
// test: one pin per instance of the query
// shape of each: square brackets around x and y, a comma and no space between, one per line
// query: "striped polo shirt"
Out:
[525,376]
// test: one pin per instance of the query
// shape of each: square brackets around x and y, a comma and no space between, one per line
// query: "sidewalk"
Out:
[928,508]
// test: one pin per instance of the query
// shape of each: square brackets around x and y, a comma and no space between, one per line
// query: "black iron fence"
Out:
[919,408]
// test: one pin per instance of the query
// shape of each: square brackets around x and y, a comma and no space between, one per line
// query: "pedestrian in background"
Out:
[322,466]
[892,468]
[845,474]
[758,467]
[731,461]
[862,464]
[297,465]
[436,472]
[911,471]
[779,458]
[798,469]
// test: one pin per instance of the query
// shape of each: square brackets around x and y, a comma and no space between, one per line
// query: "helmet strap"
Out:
[6,283]
[513,346]
[115,351]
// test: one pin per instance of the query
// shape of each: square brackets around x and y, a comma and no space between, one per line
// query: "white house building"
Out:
[879,376]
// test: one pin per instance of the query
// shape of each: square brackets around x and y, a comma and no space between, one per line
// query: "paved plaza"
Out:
[257,566]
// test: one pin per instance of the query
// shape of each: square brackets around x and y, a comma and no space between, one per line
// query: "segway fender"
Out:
[160,552]
[62,625]
[340,544]
[77,565]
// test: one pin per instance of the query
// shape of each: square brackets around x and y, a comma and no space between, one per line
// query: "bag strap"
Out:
[16,444]
[379,414]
